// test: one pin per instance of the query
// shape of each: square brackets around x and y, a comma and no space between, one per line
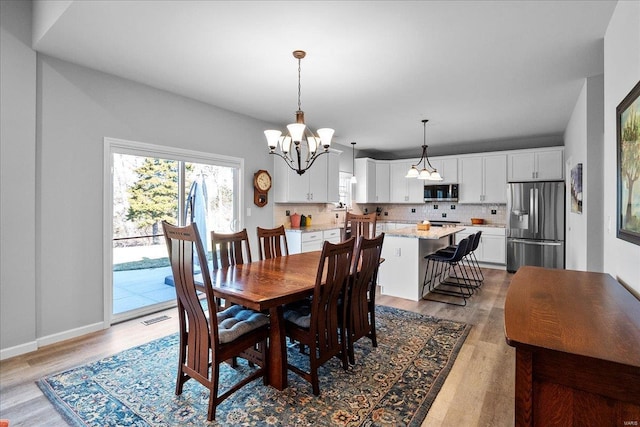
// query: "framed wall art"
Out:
[628,166]
[576,189]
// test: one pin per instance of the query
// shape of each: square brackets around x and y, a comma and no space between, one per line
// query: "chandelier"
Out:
[429,173]
[304,151]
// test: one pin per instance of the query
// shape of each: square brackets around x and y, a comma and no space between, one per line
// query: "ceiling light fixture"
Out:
[298,133]
[430,173]
[353,166]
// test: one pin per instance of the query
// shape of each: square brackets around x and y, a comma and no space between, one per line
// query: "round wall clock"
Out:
[261,187]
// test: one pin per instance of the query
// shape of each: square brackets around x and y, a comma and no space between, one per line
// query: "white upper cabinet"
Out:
[382,181]
[401,189]
[366,180]
[537,165]
[373,181]
[333,177]
[483,179]
[448,169]
[319,184]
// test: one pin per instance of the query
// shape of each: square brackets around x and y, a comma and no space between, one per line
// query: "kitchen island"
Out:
[402,272]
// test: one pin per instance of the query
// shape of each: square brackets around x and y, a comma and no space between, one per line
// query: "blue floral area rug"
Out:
[392,385]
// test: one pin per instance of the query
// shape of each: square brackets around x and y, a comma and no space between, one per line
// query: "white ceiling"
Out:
[480,71]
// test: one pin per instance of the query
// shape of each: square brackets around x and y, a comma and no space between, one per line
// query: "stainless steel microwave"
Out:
[441,193]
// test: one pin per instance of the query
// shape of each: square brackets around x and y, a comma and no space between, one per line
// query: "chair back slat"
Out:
[272,242]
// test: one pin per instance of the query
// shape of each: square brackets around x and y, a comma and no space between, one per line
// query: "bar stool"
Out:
[469,260]
[444,275]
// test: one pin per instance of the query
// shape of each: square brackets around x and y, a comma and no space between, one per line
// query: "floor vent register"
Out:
[155,320]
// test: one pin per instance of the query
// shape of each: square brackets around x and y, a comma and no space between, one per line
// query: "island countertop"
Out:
[434,233]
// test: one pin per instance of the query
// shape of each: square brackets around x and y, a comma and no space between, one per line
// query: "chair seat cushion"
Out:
[237,320]
[298,313]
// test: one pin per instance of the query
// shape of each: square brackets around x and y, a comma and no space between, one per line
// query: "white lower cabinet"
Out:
[300,241]
[492,247]
[332,236]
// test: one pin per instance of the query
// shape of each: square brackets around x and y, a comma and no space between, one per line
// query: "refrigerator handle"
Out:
[536,201]
[532,211]
[535,242]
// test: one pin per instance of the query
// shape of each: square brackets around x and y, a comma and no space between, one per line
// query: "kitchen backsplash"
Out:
[320,213]
[326,213]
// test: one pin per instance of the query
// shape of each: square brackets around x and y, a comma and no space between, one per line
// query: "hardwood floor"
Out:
[478,391]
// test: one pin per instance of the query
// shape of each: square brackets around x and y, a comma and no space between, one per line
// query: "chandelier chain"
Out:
[299,68]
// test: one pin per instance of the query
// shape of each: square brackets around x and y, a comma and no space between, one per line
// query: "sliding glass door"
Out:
[148,187]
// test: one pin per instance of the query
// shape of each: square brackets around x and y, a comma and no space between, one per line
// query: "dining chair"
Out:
[356,225]
[360,320]
[230,248]
[209,337]
[315,323]
[272,242]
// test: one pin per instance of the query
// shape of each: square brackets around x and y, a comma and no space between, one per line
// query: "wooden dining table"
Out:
[268,285]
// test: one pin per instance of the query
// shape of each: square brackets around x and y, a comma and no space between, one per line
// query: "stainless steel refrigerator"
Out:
[535,224]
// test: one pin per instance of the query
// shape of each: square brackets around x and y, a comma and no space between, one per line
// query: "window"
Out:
[345,188]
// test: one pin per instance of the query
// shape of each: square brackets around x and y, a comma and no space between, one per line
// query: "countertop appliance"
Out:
[441,193]
[535,224]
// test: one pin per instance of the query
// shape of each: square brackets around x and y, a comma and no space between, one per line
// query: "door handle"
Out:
[536,201]
[532,212]
[537,243]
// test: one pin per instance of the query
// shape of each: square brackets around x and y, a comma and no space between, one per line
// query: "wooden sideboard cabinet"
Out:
[577,341]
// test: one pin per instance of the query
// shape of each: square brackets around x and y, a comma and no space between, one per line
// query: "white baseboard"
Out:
[17,350]
[71,333]
[6,353]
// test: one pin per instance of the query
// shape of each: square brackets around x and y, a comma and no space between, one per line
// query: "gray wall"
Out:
[584,144]
[17,178]
[621,73]
[79,107]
